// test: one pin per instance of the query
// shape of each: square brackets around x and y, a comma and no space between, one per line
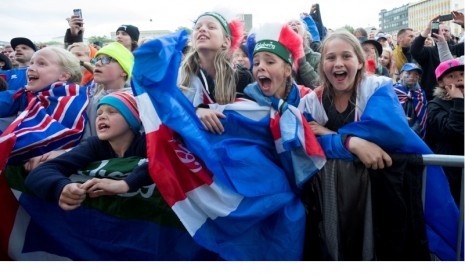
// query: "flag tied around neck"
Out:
[54,118]
[230,191]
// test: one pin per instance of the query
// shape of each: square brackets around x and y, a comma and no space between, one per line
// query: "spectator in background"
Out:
[5,63]
[85,53]
[14,63]
[307,71]
[445,132]
[75,32]
[386,59]
[315,13]
[402,53]
[412,97]
[361,34]
[7,50]
[128,35]
[429,42]
[24,49]
[373,50]
[381,38]
[310,27]
[444,29]
[241,58]
[391,42]
[428,58]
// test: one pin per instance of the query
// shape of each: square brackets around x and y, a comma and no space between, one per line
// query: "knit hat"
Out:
[126,104]
[122,55]
[449,66]
[234,28]
[280,40]
[411,67]
[22,40]
[131,30]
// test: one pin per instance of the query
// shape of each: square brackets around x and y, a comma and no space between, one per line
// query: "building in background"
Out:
[393,20]
[247,18]
[417,15]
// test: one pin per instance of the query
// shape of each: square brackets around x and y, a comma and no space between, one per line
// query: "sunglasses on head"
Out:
[103,59]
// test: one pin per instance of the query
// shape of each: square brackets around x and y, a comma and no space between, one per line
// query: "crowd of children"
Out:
[77,106]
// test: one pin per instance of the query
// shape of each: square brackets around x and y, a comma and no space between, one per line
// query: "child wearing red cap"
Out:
[118,135]
[445,118]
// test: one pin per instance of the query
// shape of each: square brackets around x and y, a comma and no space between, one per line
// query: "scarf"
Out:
[53,119]
[297,146]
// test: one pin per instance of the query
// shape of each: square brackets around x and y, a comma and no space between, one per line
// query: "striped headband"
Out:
[126,104]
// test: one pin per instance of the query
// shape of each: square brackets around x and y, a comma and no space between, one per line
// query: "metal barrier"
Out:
[446,161]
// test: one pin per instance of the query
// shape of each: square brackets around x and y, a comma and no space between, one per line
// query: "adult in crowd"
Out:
[24,49]
[402,52]
[428,58]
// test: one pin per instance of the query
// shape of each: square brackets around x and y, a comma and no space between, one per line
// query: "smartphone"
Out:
[446,17]
[434,28]
[78,12]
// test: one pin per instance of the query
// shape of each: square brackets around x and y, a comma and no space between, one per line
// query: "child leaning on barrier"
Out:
[118,135]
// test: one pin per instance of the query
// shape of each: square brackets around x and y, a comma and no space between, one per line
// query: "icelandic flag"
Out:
[137,226]
[394,135]
[54,118]
[230,190]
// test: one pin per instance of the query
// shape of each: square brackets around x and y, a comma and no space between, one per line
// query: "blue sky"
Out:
[45,19]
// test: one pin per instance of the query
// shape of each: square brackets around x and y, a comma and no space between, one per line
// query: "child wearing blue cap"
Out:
[412,97]
[118,136]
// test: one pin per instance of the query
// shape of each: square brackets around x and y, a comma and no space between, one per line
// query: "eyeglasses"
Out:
[103,59]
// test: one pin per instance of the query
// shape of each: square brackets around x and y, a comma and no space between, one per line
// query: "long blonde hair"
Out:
[358,50]
[225,78]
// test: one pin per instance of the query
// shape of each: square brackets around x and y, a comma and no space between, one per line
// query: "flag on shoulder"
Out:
[230,191]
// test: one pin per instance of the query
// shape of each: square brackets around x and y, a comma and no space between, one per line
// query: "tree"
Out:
[102,39]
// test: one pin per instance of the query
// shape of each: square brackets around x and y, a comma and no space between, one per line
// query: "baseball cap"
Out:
[449,66]
[411,67]
[22,40]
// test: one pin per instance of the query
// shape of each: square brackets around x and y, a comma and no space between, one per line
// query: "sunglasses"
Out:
[103,59]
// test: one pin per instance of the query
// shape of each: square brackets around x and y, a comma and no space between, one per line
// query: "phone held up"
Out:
[434,28]
[78,13]
[446,17]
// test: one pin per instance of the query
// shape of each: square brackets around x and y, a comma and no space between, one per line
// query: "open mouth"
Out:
[340,76]
[265,83]
[102,126]
[32,78]
[460,86]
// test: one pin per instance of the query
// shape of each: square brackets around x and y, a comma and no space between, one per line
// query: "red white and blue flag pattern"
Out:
[230,191]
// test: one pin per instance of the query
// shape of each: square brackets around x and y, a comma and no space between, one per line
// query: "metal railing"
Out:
[446,161]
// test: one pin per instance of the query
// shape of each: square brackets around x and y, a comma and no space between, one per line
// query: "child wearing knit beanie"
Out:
[118,136]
